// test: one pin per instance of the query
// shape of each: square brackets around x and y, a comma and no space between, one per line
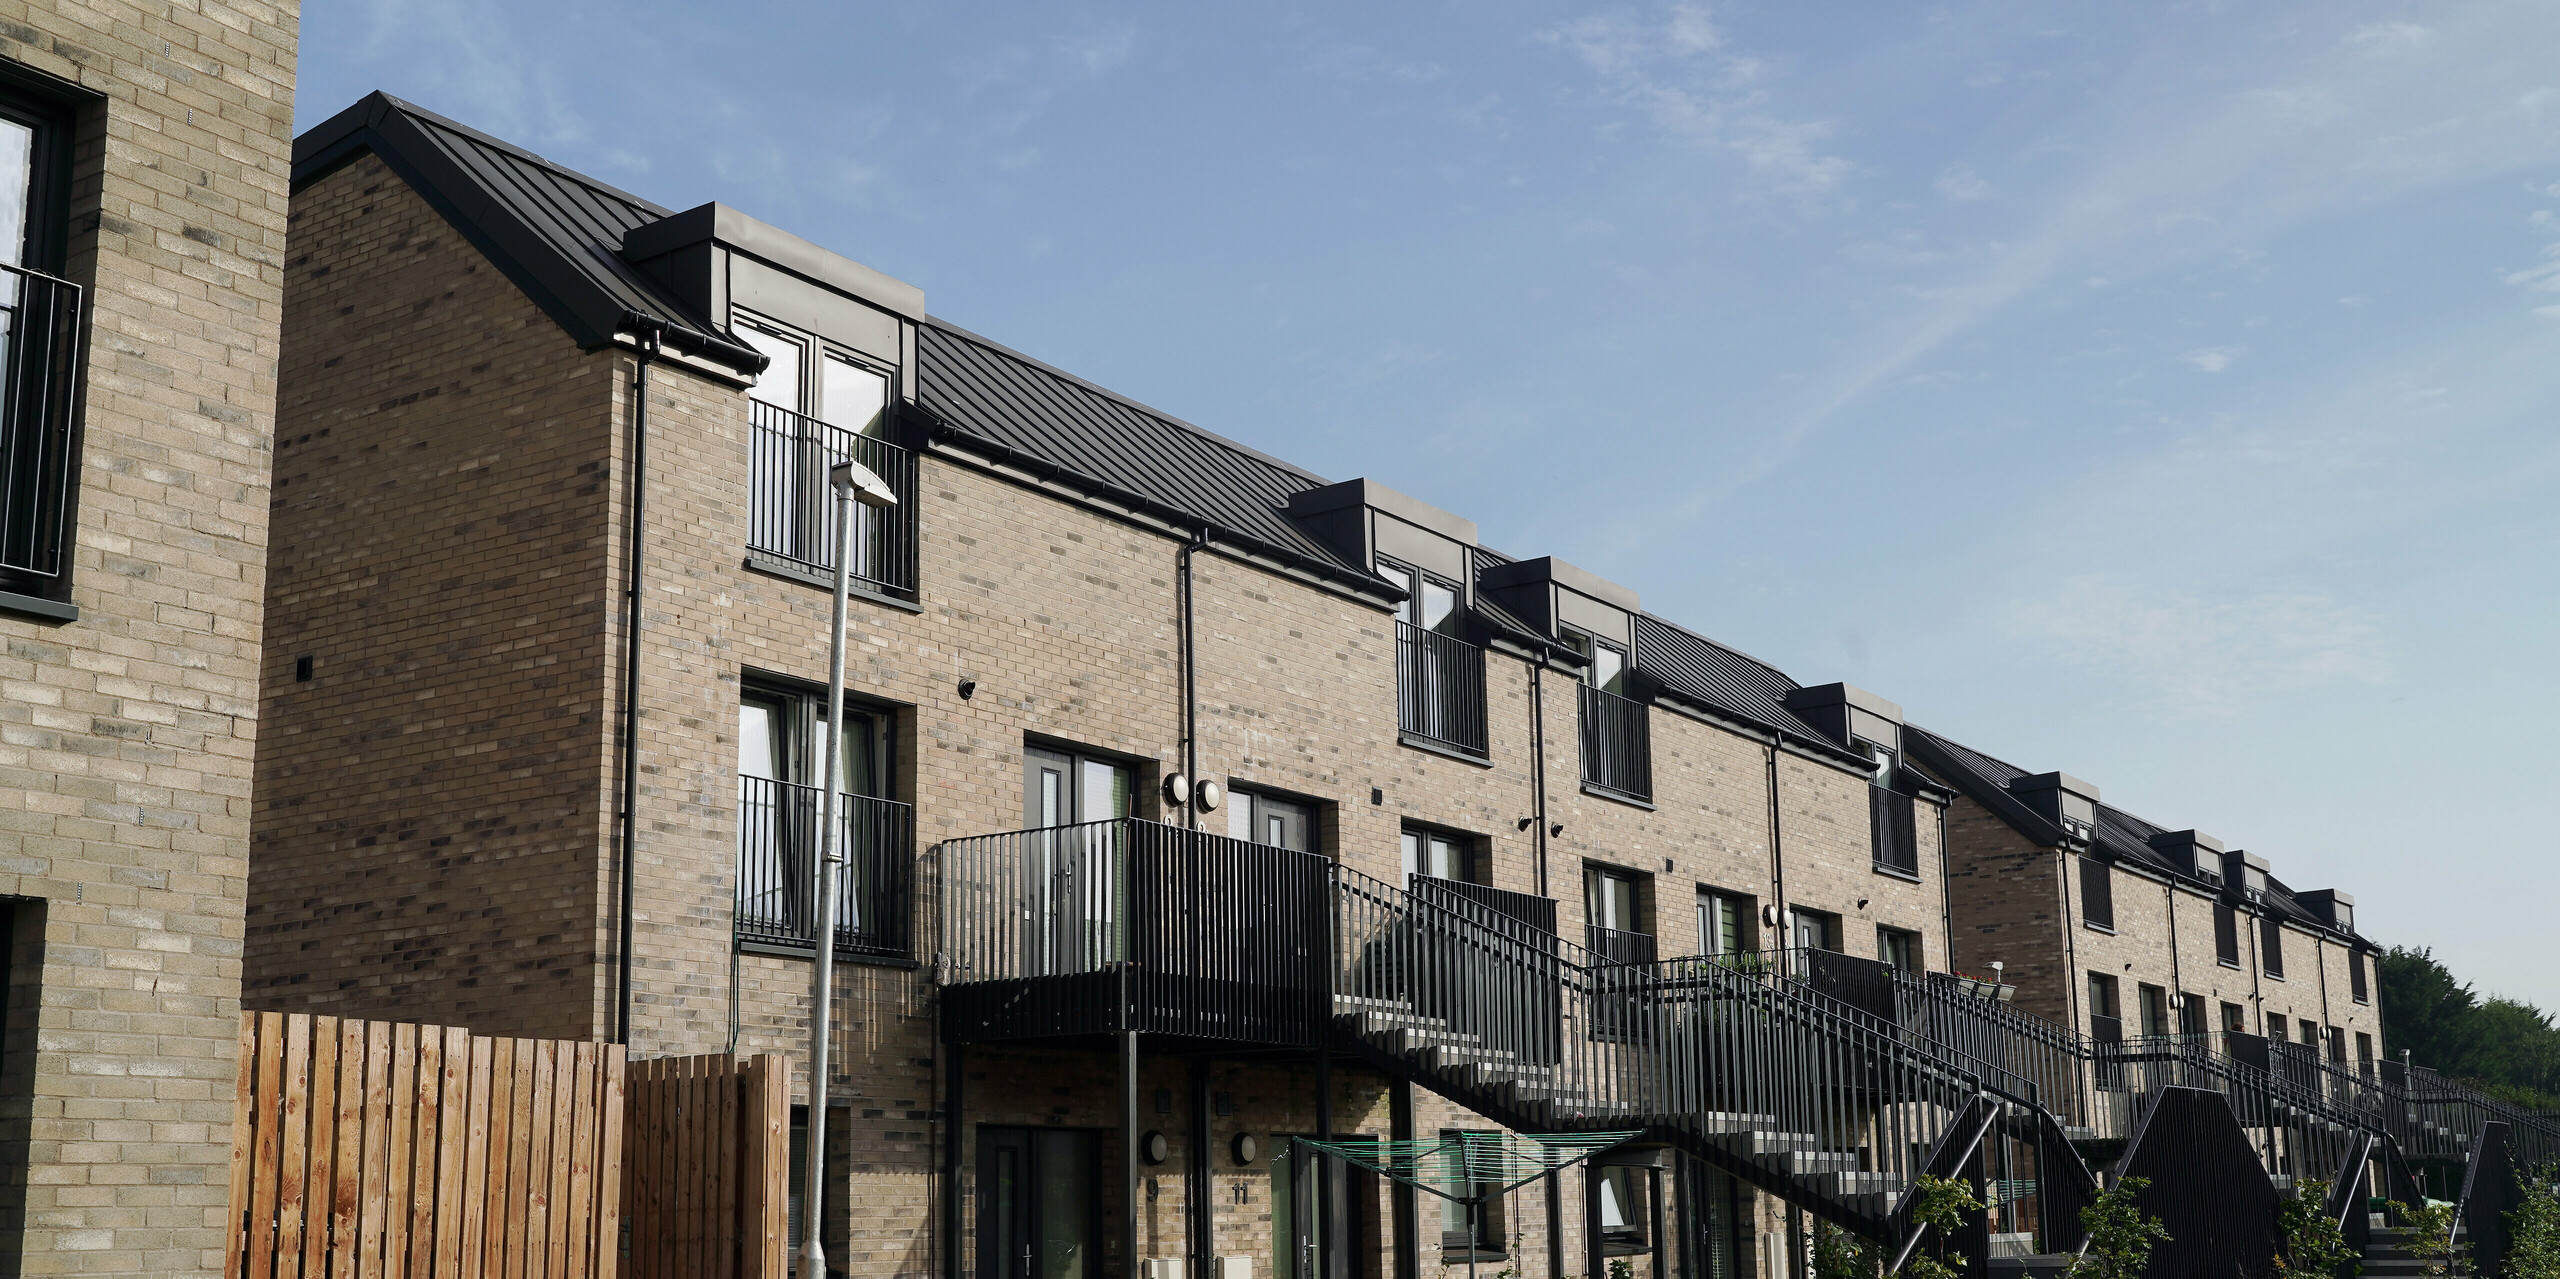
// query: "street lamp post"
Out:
[854,486]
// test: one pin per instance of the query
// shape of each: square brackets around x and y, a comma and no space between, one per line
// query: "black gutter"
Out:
[627,833]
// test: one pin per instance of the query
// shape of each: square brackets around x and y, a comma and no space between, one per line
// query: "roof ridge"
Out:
[1771,667]
[500,144]
[1115,397]
[1943,739]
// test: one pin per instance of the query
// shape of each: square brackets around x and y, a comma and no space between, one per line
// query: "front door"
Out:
[1039,1213]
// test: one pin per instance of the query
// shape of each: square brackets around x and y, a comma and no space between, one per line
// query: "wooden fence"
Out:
[374,1149]
[705,1187]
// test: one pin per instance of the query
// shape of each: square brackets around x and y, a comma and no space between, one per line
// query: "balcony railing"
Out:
[1896,830]
[1440,688]
[40,356]
[1617,743]
[790,514]
[778,826]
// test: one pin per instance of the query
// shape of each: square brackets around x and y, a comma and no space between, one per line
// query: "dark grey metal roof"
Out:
[555,232]
[558,235]
[2121,836]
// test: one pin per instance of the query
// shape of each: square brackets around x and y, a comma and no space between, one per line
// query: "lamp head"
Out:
[866,487]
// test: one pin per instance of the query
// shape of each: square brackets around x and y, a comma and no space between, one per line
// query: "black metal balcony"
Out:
[789,512]
[1896,830]
[1440,689]
[41,350]
[1617,744]
[1132,925]
[778,826]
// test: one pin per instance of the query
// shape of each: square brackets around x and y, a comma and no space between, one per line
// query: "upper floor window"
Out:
[2190,1014]
[41,345]
[782,751]
[1617,733]
[2097,894]
[1813,929]
[1439,675]
[2275,1028]
[1893,822]
[2271,946]
[2155,1008]
[2106,1021]
[2226,935]
[2235,1020]
[2355,977]
[1269,819]
[816,405]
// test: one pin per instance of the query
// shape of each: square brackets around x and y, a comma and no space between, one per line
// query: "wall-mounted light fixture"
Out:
[968,689]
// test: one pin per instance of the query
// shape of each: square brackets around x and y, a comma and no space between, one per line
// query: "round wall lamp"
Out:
[1246,1149]
[1211,795]
[968,689]
[1177,790]
[1154,1148]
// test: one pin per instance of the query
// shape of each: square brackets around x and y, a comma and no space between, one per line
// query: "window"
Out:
[2155,1009]
[1486,1240]
[1617,738]
[2364,1054]
[1899,948]
[1439,675]
[41,337]
[1613,899]
[2097,894]
[782,748]
[2226,935]
[2191,1014]
[2104,1023]
[1626,1207]
[1264,819]
[1813,929]
[2310,1032]
[1724,922]
[2275,1028]
[2355,977]
[1440,855]
[2338,1045]
[2271,946]
[1064,788]
[2235,1020]
[814,406]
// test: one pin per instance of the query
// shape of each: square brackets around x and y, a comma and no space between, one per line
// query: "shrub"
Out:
[1837,1254]
[2120,1236]
[2312,1244]
[2430,1226]
[2533,1243]
[1941,1204]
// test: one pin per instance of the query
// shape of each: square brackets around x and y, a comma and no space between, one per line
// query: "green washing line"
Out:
[1460,1166]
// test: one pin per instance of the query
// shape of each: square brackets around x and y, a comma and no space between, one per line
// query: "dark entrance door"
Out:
[1039,1213]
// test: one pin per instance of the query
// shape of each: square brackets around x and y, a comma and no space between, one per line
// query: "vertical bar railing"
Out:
[1440,688]
[41,353]
[1617,743]
[790,517]
[778,837]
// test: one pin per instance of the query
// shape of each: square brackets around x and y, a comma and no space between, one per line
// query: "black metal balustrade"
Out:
[791,514]
[41,350]
[778,825]
[1617,743]
[1895,827]
[1440,688]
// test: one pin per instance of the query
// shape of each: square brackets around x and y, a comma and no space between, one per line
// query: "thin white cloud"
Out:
[2212,359]
[2196,656]
[1960,183]
[1678,68]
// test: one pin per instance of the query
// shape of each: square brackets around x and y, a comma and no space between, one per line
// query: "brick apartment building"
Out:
[1076,600]
[2122,929]
[143,187]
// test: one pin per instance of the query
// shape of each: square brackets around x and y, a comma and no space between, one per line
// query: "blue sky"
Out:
[2163,393]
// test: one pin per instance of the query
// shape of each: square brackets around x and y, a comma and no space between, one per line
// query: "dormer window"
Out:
[1430,603]
[1439,675]
[1617,731]
[815,405]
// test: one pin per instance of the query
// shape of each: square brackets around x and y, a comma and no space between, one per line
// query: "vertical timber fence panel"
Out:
[379,1149]
[707,1177]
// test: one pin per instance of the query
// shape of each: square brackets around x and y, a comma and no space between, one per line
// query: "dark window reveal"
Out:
[2355,977]
[2271,946]
[2097,893]
[2226,935]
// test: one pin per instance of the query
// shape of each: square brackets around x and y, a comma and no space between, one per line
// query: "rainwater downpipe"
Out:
[1190,679]
[626,834]
[1778,853]
[1538,763]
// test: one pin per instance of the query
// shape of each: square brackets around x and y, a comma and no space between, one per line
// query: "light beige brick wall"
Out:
[126,736]
[2009,909]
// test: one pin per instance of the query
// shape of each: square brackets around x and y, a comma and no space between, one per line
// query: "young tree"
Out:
[2120,1235]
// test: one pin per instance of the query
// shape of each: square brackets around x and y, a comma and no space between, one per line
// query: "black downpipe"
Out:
[1777,849]
[1538,760]
[1190,679]
[627,824]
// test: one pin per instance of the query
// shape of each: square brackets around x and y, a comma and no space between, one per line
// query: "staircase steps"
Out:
[2388,1257]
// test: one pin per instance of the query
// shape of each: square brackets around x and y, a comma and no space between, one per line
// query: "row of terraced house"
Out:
[417,591]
